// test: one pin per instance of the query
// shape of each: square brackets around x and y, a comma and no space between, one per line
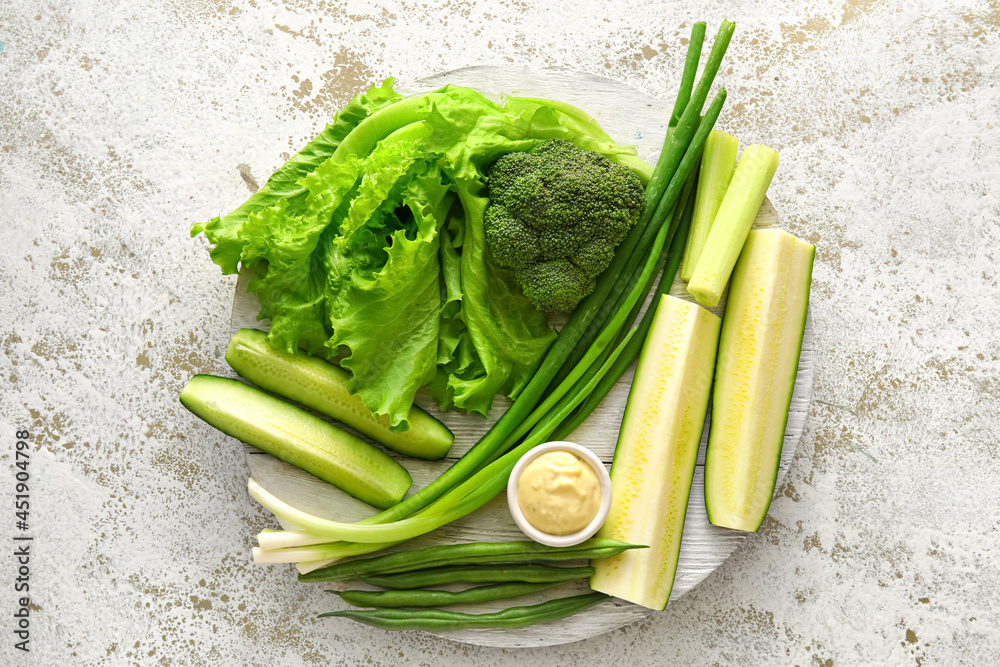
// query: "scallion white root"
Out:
[283,539]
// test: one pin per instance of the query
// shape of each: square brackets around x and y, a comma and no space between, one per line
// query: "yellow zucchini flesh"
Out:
[656,453]
[759,350]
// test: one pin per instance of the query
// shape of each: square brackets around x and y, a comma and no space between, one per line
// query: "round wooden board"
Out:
[630,116]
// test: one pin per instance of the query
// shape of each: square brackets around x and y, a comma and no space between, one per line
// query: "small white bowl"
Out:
[559,540]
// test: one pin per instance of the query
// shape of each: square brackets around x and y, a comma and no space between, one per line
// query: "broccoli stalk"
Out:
[555,217]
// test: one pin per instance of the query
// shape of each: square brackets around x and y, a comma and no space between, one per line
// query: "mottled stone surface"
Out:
[124,122]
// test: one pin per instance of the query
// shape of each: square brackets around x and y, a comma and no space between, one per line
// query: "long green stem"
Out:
[634,347]
[463,499]
[675,221]
[396,531]
[672,150]
[690,70]
[664,186]
[712,64]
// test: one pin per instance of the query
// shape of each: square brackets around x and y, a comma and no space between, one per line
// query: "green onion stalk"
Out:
[685,138]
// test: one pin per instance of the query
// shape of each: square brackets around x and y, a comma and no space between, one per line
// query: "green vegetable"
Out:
[656,452]
[717,164]
[476,595]
[376,255]
[322,386]
[480,473]
[464,554]
[755,375]
[436,620]
[495,573]
[293,435]
[732,223]
[555,217]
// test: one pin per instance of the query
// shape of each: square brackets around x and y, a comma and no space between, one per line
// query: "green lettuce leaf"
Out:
[280,247]
[508,335]
[368,247]
[390,321]
[283,248]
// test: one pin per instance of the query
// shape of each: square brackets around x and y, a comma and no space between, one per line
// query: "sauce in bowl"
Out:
[559,493]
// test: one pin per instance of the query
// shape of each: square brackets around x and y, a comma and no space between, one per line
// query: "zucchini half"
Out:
[758,359]
[656,453]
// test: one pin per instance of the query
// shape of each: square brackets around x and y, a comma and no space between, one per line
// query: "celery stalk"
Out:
[732,223]
[717,164]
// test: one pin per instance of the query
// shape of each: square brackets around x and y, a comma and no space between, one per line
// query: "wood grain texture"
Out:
[633,117]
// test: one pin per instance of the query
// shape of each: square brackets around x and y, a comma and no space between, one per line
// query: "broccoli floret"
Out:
[555,217]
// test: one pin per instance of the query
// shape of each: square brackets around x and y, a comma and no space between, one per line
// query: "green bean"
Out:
[477,574]
[465,554]
[419,598]
[438,620]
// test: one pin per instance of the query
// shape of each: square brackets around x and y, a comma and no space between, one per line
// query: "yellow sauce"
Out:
[559,493]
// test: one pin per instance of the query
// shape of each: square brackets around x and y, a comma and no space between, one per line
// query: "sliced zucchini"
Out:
[758,358]
[318,384]
[293,435]
[656,453]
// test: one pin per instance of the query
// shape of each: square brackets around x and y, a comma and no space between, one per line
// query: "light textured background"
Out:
[121,123]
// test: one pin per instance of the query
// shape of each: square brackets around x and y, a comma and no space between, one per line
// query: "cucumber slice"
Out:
[293,435]
[320,385]
[758,358]
[656,453]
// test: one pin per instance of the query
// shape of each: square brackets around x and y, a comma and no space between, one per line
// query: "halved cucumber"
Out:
[656,453]
[293,435]
[758,358]
[318,384]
